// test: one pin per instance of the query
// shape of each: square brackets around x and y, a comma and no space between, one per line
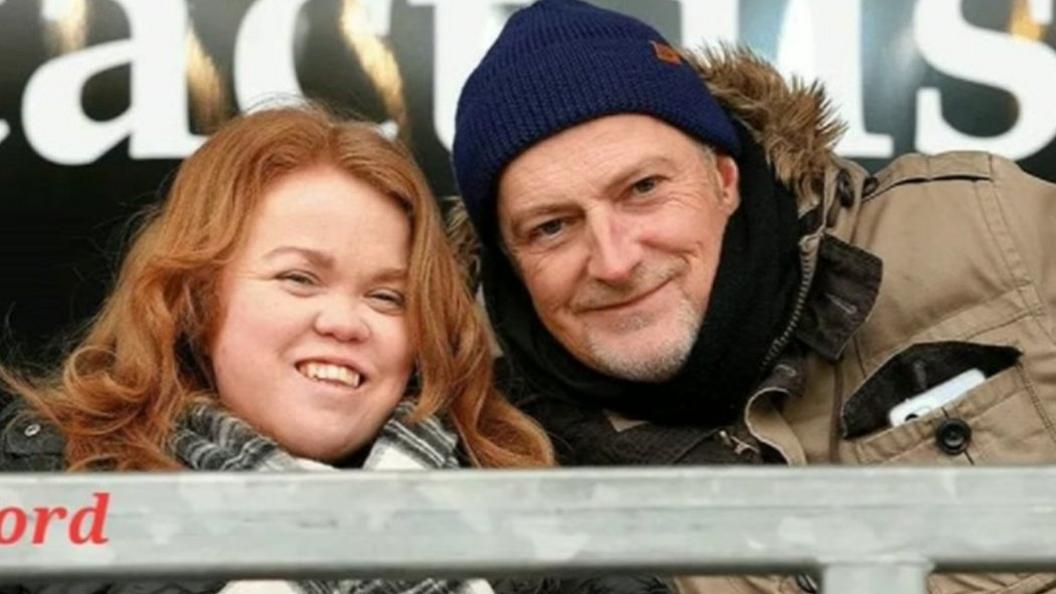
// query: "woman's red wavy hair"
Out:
[120,392]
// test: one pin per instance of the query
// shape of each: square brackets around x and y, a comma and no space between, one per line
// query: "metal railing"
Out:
[859,529]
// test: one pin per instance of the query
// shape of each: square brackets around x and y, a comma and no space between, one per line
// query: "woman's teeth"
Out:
[333,373]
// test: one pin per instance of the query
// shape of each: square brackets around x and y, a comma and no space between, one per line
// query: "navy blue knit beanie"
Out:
[558,63]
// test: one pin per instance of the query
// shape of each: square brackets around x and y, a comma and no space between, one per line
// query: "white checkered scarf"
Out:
[212,439]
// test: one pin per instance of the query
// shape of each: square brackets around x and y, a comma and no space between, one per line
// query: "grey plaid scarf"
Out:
[210,438]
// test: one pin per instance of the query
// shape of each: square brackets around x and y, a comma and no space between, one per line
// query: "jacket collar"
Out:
[839,285]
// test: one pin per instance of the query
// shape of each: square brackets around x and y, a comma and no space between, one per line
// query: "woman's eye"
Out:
[298,278]
[390,299]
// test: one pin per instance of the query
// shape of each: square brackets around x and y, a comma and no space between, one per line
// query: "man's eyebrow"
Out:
[519,215]
[630,173]
[315,257]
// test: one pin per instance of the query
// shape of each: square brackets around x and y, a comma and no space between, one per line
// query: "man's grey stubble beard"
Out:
[662,361]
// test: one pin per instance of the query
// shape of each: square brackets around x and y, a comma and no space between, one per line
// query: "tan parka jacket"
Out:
[932,265]
[908,276]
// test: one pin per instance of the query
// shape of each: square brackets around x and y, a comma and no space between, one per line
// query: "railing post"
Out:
[875,577]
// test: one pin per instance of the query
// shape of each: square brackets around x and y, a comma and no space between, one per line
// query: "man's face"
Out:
[615,227]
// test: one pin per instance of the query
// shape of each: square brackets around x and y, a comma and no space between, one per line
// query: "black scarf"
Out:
[750,305]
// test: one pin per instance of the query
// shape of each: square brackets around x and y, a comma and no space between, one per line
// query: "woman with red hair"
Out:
[293,303]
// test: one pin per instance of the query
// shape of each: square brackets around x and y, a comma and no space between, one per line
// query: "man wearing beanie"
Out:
[680,270]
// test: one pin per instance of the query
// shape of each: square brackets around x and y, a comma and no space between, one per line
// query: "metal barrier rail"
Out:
[860,529]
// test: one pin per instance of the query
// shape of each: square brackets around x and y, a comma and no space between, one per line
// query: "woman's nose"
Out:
[343,319]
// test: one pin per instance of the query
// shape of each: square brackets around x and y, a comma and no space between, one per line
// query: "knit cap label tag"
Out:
[665,53]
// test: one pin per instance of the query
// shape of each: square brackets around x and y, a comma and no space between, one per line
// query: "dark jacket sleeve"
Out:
[28,444]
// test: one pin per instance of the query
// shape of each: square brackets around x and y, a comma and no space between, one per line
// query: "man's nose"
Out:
[615,252]
[342,318]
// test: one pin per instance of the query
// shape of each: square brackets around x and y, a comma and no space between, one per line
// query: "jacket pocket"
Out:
[998,422]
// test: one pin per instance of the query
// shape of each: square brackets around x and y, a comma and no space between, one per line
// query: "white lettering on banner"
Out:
[838,51]
[819,39]
[379,16]
[1021,67]
[709,22]
[456,53]
[835,58]
[265,71]
[795,42]
[1042,11]
[54,120]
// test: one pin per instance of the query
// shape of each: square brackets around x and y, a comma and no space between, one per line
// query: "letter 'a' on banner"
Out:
[157,117]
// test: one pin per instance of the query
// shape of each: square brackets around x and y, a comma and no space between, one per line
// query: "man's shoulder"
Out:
[569,423]
[916,168]
[515,385]
[919,201]
[551,407]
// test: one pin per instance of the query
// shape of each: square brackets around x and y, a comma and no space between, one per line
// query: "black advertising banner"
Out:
[100,99]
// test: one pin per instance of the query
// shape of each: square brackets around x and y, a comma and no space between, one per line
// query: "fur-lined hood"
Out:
[793,121]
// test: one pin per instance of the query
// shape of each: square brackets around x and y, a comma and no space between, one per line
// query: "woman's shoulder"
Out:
[27,443]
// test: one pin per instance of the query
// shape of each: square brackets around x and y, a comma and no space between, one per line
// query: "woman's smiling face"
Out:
[312,347]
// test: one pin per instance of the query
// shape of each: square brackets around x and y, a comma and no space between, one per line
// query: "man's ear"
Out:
[729,183]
